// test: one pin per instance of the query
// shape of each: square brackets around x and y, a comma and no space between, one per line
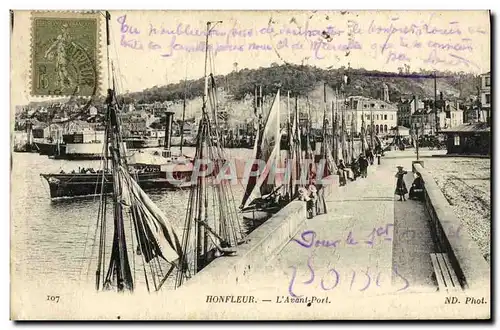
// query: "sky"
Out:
[154,48]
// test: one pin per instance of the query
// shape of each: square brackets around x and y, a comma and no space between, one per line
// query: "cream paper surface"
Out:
[154,48]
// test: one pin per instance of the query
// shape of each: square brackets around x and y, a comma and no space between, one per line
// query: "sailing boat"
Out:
[326,153]
[157,241]
[211,229]
[262,198]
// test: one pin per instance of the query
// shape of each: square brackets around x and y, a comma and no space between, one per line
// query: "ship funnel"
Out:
[169,116]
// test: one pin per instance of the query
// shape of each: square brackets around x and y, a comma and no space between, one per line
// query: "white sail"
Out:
[264,174]
[263,148]
[271,133]
[271,137]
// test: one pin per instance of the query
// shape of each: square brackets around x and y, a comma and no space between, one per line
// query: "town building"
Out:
[470,138]
[485,93]
[137,122]
[424,119]
[379,113]
[406,108]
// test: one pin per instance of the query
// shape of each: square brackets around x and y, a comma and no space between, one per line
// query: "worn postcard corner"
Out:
[252,165]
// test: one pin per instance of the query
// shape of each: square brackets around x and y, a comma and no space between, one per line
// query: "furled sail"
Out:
[156,236]
[211,229]
[326,152]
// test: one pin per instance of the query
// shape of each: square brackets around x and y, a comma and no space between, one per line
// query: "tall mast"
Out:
[255,101]
[309,134]
[288,107]
[353,128]
[334,139]
[261,101]
[323,144]
[201,233]
[205,90]
[371,128]
[119,266]
[200,230]
[343,128]
[183,113]
[435,105]
[290,144]
[298,146]
[220,232]
[289,129]
[363,131]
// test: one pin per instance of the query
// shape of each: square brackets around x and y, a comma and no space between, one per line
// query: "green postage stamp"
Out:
[65,54]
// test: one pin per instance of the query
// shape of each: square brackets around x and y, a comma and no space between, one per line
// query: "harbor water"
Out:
[54,241]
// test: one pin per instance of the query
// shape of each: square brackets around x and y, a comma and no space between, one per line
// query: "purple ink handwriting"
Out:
[432,42]
[309,239]
[332,278]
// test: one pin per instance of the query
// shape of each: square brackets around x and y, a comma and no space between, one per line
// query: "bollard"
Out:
[421,162]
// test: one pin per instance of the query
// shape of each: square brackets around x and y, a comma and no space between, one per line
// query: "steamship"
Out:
[151,171]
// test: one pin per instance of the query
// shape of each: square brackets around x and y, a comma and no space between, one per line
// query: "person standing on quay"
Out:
[363,165]
[400,184]
[342,173]
[370,156]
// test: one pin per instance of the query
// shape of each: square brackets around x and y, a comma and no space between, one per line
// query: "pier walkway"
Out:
[367,243]
[369,257]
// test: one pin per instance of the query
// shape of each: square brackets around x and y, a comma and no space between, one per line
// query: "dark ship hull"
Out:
[89,184]
[46,148]
[135,143]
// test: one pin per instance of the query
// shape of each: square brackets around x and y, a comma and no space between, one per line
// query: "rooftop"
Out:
[470,127]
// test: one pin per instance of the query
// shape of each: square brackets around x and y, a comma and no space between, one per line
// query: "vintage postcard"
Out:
[252,165]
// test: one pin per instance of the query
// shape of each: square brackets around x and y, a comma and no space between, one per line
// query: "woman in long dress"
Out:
[400,184]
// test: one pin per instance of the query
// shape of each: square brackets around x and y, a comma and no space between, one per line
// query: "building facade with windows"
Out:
[425,119]
[406,108]
[485,92]
[384,114]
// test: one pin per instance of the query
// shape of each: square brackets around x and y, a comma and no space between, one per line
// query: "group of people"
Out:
[416,189]
[358,166]
[315,200]
[81,170]
[145,169]
[314,195]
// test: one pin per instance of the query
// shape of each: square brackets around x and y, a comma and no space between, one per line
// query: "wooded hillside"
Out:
[301,79]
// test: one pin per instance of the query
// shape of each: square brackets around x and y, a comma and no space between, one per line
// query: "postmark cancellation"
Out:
[65,51]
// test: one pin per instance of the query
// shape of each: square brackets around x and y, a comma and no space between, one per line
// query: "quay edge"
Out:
[264,243]
[471,268]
